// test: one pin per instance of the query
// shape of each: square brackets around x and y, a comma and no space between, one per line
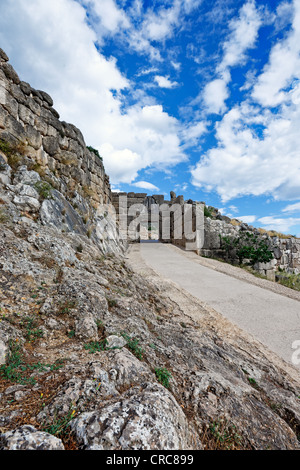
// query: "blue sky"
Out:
[200,97]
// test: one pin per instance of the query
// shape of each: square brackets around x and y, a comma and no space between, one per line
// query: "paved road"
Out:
[269,317]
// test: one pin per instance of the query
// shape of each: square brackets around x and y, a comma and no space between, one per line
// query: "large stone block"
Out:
[51,145]
[15,128]
[34,137]
[8,102]
[26,115]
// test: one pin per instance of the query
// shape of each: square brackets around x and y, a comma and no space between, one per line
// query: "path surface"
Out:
[270,317]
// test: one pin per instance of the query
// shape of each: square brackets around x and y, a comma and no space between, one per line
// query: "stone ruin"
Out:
[145,217]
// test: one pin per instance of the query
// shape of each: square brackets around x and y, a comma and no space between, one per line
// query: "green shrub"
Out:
[133,346]
[96,346]
[163,376]
[44,189]
[91,149]
[247,246]
[207,212]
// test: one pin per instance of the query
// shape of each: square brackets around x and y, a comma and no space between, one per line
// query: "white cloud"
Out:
[284,225]
[165,82]
[257,151]
[292,208]
[145,185]
[244,163]
[282,68]
[248,219]
[110,16]
[215,94]
[243,35]
[244,32]
[191,133]
[53,48]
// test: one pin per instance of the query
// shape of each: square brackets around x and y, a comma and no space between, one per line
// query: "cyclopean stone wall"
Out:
[53,147]
[144,217]
[208,230]
[286,251]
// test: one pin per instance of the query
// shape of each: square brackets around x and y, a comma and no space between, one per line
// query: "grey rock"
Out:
[5,171]
[27,203]
[3,56]
[46,97]
[26,177]
[51,145]
[28,438]
[25,87]
[58,212]
[115,342]
[145,419]
[3,352]
[10,73]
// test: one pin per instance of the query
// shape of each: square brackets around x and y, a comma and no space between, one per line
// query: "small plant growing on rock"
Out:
[32,332]
[163,376]
[44,189]
[60,426]
[133,346]
[91,149]
[3,217]
[207,212]
[96,346]
[13,152]
[224,436]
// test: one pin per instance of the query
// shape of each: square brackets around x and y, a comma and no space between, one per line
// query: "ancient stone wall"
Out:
[54,148]
[145,217]
[286,250]
[208,230]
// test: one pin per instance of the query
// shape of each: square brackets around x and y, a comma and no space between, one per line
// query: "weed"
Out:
[12,152]
[6,148]
[252,382]
[163,376]
[91,149]
[207,212]
[66,306]
[44,189]
[60,426]
[133,346]
[3,217]
[17,371]
[32,332]
[224,435]
[289,280]
[96,346]
[111,302]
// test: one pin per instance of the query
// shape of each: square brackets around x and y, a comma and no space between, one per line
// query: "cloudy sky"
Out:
[197,96]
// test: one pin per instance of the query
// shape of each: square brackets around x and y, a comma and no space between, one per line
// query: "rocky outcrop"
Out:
[96,356]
